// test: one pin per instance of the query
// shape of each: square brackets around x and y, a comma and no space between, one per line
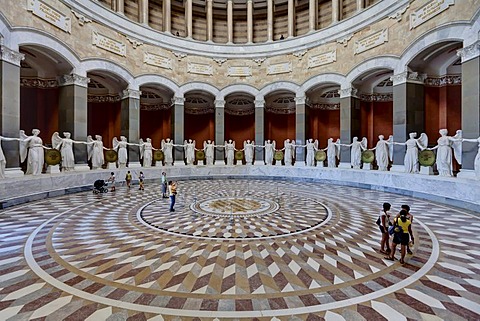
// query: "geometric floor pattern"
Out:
[234,250]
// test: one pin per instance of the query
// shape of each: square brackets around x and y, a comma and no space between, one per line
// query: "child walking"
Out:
[128,179]
[111,180]
[141,178]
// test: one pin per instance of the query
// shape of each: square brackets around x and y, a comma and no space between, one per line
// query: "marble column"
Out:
[300,129]
[73,113]
[269,20]
[259,131]
[167,16]
[408,111]
[349,122]
[209,20]
[121,6]
[360,5]
[335,10]
[130,123]
[219,131]
[249,21]
[312,15]
[10,107]
[189,18]
[470,105]
[230,21]
[178,121]
[291,19]
[143,11]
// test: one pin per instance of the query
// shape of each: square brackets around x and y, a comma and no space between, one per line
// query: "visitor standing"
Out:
[164,183]
[141,178]
[384,222]
[128,179]
[401,236]
[172,191]
[111,180]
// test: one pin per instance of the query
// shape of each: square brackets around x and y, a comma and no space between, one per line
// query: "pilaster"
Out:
[10,107]
[73,112]
[300,129]
[130,123]
[349,122]
[470,104]
[408,111]
[219,131]
[178,128]
[259,131]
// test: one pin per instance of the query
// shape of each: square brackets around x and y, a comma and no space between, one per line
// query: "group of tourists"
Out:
[400,228]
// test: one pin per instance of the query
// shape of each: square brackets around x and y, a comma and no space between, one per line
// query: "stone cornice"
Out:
[73,79]
[178,100]
[469,52]
[11,56]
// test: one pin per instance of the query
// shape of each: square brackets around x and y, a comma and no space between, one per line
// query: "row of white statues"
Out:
[32,149]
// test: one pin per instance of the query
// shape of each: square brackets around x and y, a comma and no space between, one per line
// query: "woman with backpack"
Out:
[403,232]
[384,222]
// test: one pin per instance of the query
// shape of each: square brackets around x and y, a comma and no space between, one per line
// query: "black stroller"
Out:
[100,186]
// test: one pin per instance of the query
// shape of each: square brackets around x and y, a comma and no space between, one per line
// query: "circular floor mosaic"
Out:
[236,212]
[93,256]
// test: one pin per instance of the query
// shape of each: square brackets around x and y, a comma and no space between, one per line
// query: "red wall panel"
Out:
[156,124]
[239,128]
[200,128]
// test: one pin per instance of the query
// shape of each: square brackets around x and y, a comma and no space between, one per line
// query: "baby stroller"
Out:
[100,186]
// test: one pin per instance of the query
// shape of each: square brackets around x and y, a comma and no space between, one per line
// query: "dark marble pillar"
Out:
[259,131]
[470,105]
[178,130]
[72,114]
[130,124]
[300,130]
[408,111]
[349,122]
[219,131]
[10,107]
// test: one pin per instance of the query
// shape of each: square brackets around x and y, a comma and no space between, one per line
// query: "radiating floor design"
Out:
[234,250]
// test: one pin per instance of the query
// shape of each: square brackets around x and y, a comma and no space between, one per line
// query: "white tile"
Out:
[23,291]
[100,315]
[331,316]
[463,302]
[424,298]
[445,282]
[51,307]
[387,311]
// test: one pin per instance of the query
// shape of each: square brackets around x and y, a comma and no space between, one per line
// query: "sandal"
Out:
[389,258]
[402,261]
[383,252]
[409,252]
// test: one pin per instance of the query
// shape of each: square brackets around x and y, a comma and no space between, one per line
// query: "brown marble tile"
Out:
[243,305]
[176,303]
[461,311]
[413,303]
[93,288]
[17,286]
[82,313]
[137,317]
[309,299]
[33,305]
[209,305]
[117,294]
[228,282]
[277,303]
[314,317]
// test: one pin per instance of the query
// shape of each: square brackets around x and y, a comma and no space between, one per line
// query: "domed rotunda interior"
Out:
[239,160]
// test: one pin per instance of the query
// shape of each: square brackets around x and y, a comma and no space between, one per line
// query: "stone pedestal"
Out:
[14,172]
[426,170]
[111,166]
[238,162]
[259,163]
[55,169]
[134,165]
[367,167]
[219,162]
[467,173]
[398,168]
[278,163]
[320,164]
[344,165]
[81,168]
[299,164]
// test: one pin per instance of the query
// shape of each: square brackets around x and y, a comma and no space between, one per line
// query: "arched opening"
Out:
[280,116]
[199,117]
[239,118]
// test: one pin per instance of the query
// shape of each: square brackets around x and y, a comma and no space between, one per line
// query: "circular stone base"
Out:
[234,207]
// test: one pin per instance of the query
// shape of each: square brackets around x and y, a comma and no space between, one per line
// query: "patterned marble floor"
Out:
[234,250]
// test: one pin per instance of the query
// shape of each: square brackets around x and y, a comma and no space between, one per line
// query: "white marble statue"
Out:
[312,147]
[209,149]
[476,164]
[249,147]
[95,151]
[33,146]
[356,152]
[167,149]
[333,152]
[3,160]
[230,152]
[269,151]
[289,147]
[189,148]
[383,152]
[121,147]
[444,151]
[411,156]
[146,152]
[65,146]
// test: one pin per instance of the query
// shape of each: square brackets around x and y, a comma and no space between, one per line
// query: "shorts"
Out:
[401,238]
[382,229]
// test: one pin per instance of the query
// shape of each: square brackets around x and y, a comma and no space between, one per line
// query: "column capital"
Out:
[469,52]
[300,100]
[131,93]
[259,103]
[73,79]
[11,56]
[408,76]
[220,103]
[348,92]
[178,100]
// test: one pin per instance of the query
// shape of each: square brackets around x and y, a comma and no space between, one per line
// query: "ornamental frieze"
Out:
[103,98]
[155,107]
[240,112]
[376,97]
[443,81]
[325,106]
[281,111]
[38,83]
